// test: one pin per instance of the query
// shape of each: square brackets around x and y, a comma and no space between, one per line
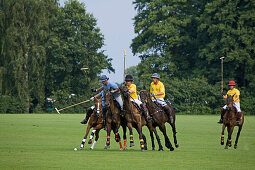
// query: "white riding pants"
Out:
[119,100]
[160,100]
[236,105]
[136,101]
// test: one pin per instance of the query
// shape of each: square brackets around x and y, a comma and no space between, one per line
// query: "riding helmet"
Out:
[129,78]
[155,75]
[232,83]
[103,78]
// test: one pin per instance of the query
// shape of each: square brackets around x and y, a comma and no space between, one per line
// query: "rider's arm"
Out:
[237,97]
[100,89]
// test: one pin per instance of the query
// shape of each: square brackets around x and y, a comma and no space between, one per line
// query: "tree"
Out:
[24,29]
[75,42]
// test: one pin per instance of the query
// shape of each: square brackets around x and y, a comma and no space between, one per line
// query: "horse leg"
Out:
[131,135]
[167,141]
[229,141]
[152,141]
[174,134]
[145,142]
[222,134]
[96,139]
[139,130]
[108,136]
[91,136]
[85,137]
[124,127]
[237,136]
[117,137]
[158,139]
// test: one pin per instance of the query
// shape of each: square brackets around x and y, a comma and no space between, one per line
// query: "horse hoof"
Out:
[90,148]
[161,149]
[142,150]
[125,148]
[171,149]
[235,146]
[121,149]
[80,148]
[90,141]
[222,143]
[132,144]
[176,145]
[153,149]
[106,147]
[167,146]
[226,147]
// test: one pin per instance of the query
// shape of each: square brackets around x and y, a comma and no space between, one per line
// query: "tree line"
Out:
[183,41]
[42,48]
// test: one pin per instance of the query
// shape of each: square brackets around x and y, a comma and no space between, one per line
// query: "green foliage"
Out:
[42,48]
[74,43]
[183,41]
[10,104]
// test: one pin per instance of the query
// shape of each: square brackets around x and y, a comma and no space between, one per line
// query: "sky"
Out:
[115,20]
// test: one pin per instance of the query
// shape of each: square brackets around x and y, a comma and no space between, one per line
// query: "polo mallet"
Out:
[222,74]
[70,106]
[124,63]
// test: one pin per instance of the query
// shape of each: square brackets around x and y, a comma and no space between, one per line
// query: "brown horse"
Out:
[159,118]
[136,120]
[113,120]
[95,121]
[229,121]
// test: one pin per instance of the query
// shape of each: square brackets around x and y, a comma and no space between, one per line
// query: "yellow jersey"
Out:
[233,93]
[133,95]
[157,88]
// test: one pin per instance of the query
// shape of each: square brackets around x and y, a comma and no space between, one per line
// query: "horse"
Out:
[159,118]
[114,120]
[136,120]
[95,121]
[229,121]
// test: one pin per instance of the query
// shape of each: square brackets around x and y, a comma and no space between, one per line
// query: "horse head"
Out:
[230,102]
[124,91]
[144,96]
[107,98]
[98,106]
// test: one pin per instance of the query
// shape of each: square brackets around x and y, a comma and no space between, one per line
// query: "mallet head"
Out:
[57,110]
[84,68]
[222,57]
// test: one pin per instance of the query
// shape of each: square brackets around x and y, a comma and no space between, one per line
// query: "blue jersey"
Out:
[101,94]
[113,86]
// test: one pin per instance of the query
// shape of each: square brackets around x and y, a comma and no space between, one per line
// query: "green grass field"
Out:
[46,141]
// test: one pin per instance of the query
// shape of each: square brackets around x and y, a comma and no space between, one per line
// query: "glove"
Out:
[112,91]
[93,90]
[92,98]
[152,95]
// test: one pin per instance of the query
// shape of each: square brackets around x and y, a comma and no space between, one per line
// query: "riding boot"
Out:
[89,112]
[238,116]
[221,116]
[168,113]
[145,113]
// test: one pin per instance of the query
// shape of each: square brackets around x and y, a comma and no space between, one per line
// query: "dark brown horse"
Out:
[135,119]
[229,121]
[159,118]
[95,121]
[113,120]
